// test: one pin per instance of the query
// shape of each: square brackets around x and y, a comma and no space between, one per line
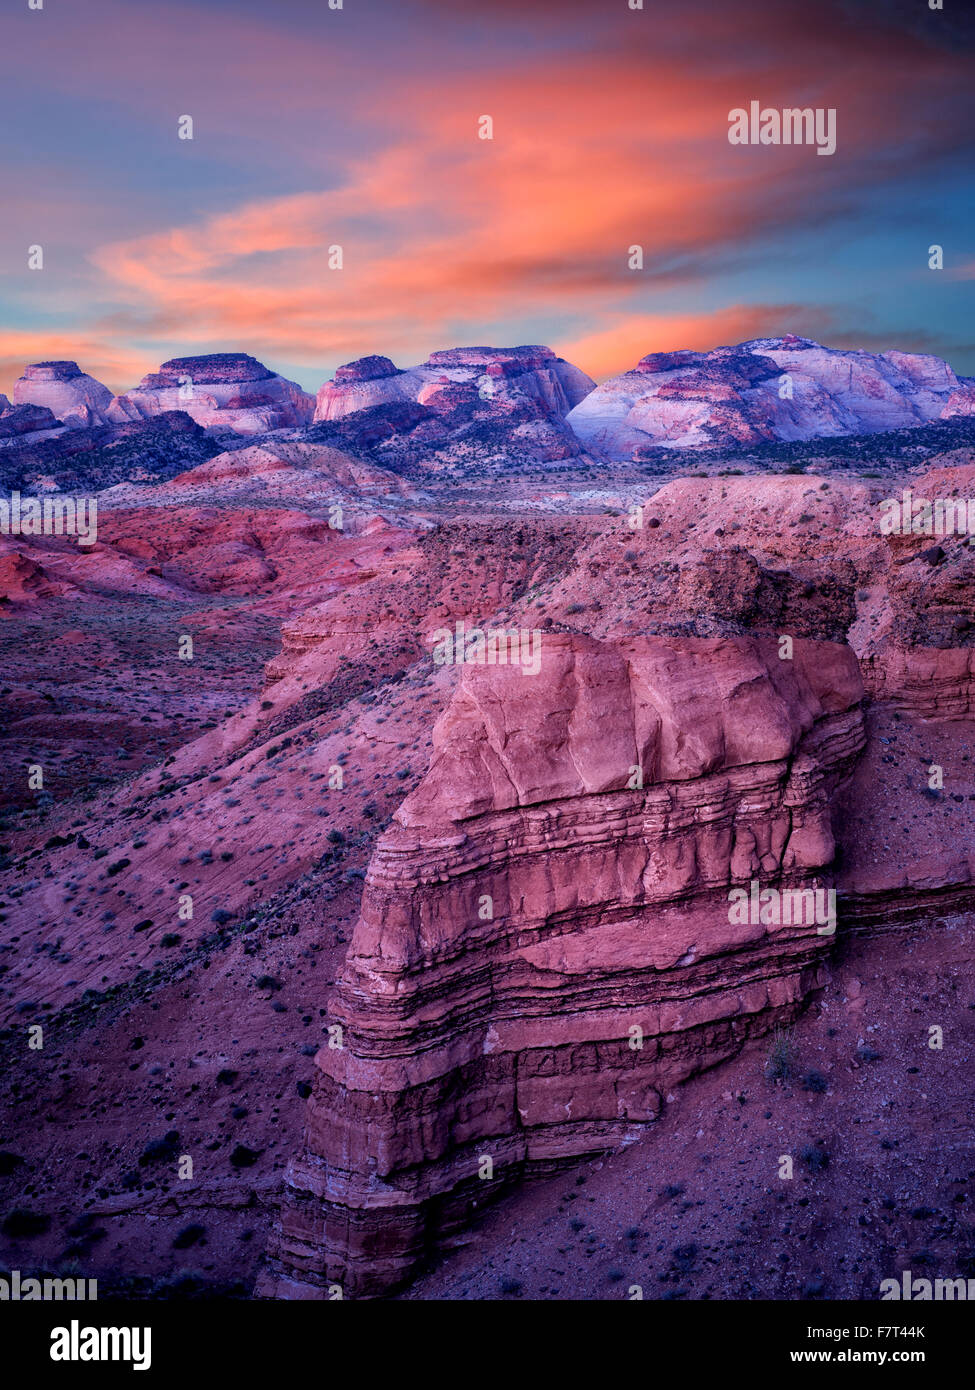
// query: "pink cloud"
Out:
[591,154]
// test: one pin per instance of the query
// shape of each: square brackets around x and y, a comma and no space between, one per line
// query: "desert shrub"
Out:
[782,1057]
[158,1149]
[21,1224]
[815,1158]
[188,1236]
[243,1157]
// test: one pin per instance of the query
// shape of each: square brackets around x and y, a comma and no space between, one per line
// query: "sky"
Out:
[358,127]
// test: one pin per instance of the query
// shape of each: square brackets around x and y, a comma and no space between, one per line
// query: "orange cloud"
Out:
[442,227]
[444,234]
[116,365]
[628,337]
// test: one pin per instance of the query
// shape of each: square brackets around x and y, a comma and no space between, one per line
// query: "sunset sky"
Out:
[358,127]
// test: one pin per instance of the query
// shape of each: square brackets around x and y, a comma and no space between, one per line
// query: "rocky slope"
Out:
[87,461]
[26,424]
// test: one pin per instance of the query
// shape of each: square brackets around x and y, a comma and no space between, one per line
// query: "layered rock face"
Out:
[71,396]
[502,375]
[495,400]
[224,390]
[769,388]
[918,652]
[545,944]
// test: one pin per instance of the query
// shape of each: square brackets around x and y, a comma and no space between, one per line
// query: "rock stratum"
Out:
[508,1038]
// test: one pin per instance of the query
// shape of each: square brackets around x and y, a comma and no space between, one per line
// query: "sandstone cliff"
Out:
[460,404]
[532,905]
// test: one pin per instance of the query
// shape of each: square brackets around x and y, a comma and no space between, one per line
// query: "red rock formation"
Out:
[921,653]
[509,1036]
[24,581]
[934,683]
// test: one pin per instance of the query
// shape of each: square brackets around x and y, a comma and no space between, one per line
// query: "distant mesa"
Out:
[212,368]
[221,390]
[527,400]
[79,401]
[52,371]
[509,378]
[786,388]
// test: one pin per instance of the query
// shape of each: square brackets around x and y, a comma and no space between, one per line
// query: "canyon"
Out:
[401,950]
